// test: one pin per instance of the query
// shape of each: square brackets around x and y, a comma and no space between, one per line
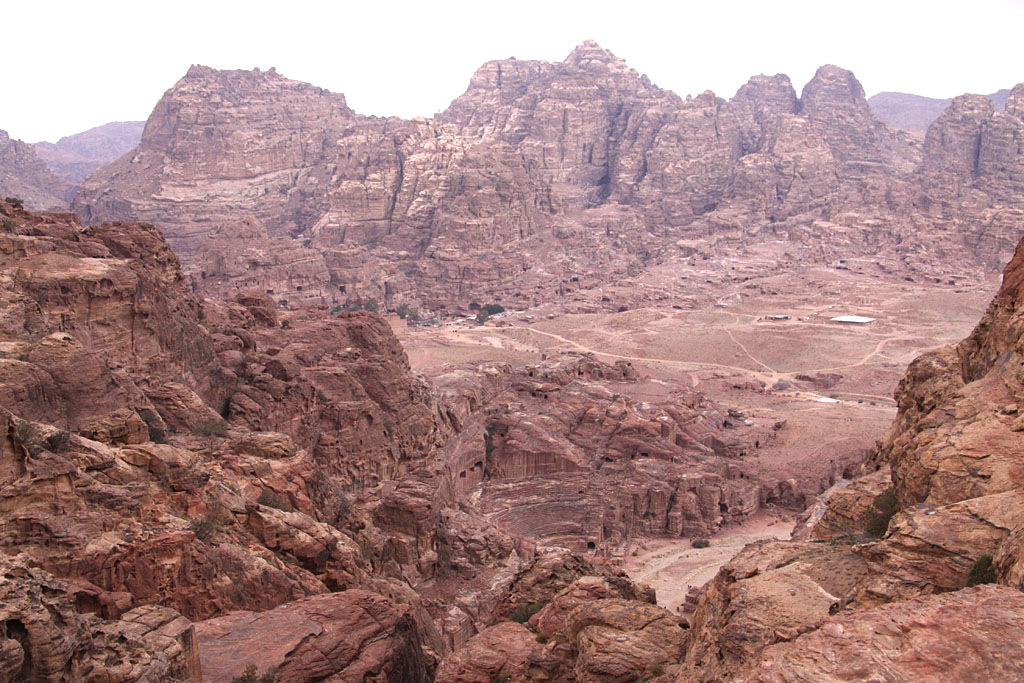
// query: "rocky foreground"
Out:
[182,478]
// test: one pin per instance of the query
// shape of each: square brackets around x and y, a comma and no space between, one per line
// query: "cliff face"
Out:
[24,176]
[540,172]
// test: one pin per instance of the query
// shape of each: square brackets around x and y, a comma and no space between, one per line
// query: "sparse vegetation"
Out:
[270,498]
[285,324]
[28,436]
[152,420]
[215,428]
[523,611]
[15,202]
[882,510]
[250,675]
[204,527]
[982,571]
[58,441]
[370,305]
[482,316]
[541,638]
[700,543]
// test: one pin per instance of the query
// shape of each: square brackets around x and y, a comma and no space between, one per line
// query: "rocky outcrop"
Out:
[73,157]
[505,651]
[24,176]
[909,641]
[350,636]
[562,452]
[43,638]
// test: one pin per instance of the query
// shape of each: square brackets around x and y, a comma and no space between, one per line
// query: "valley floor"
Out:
[672,566]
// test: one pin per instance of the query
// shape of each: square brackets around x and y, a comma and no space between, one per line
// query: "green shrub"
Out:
[882,510]
[700,543]
[522,612]
[494,309]
[249,675]
[982,571]
[14,201]
[482,316]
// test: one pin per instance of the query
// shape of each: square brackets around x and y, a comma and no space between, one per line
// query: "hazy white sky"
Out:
[68,66]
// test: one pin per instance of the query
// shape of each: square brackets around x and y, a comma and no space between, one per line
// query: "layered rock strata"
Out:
[541,173]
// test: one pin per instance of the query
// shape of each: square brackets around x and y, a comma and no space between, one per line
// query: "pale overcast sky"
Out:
[69,66]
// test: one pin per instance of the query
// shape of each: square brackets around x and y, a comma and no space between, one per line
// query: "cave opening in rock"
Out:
[591,545]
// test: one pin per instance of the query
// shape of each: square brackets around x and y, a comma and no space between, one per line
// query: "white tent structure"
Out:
[852,319]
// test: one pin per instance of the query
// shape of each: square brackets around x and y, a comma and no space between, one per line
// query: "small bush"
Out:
[204,527]
[523,611]
[882,510]
[213,428]
[7,225]
[28,436]
[494,309]
[249,675]
[658,669]
[271,499]
[285,324]
[482,316]
[982,571]
[14,201]
[152,420]
[541,638]
[58,441]
[700,543]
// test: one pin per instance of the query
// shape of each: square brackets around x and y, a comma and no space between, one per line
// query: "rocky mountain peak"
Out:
[769,92]
[833,88]
[589,51]
[1015,102]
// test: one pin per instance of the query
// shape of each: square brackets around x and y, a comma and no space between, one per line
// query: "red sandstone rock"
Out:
[351,636]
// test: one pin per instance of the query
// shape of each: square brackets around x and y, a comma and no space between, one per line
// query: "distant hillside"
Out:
[914,112]
[73,157]
[23,175]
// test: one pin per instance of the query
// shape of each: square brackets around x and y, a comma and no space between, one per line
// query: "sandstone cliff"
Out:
[540,173]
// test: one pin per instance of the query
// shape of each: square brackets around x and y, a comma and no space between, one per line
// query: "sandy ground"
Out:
[671,566]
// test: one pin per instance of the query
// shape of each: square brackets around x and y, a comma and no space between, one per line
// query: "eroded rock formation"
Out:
[541,173]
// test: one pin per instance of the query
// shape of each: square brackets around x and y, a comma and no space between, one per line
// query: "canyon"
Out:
[599,418]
